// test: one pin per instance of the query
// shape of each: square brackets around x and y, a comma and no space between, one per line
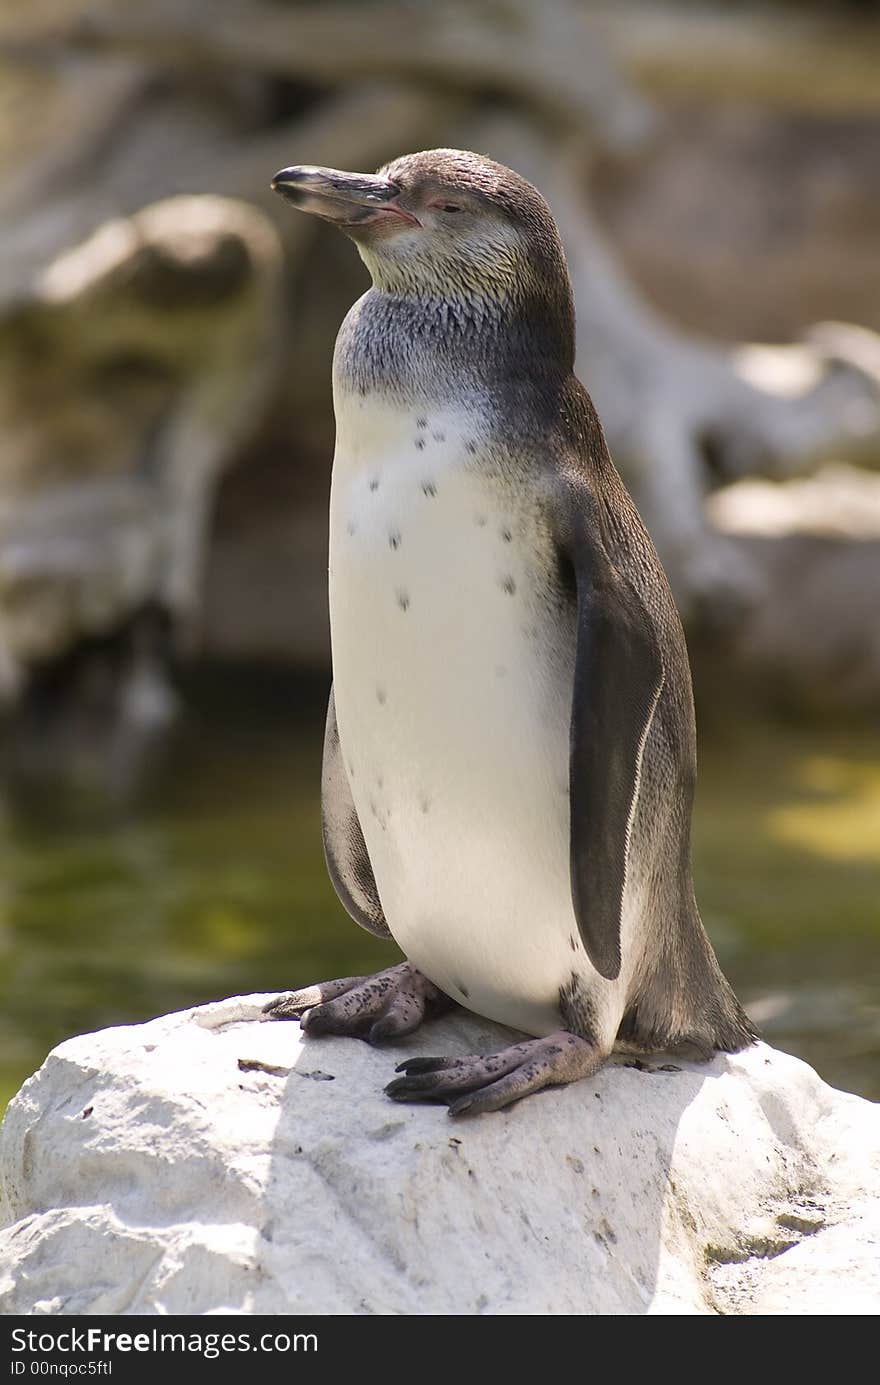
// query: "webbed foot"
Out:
[487,1083]
[385,1006]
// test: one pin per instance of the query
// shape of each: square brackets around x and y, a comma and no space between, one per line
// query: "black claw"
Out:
[461,1106]
[316,1022]
[401,1089]
[282,1009]
[382,1029]
[413,1065]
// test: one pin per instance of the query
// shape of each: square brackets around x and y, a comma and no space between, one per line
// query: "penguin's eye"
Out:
[449,206]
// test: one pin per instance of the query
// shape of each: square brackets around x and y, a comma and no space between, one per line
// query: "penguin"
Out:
[510,749]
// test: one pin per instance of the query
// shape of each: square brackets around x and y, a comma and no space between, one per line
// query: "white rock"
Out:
[143,1171]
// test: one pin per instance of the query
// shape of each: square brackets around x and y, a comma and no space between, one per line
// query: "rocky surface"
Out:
[208,1162]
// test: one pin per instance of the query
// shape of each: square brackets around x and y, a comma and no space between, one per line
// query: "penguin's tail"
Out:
[685,1002]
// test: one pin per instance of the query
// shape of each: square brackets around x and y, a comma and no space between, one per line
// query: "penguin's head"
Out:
[444,223]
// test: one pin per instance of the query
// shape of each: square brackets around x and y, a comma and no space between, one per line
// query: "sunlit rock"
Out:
[210,1162]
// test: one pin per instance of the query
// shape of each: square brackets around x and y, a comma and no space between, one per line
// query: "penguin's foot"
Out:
[487,1083]
[385,1006]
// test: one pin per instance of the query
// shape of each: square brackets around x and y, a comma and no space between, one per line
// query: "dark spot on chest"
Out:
[374,484]
[403,600]
[480,521]
[508,585]
[429,489]
[506,535]
[421,423]
[420,444]
[471,447]
[381,696]
[352,527]
[439,437]
[394,539]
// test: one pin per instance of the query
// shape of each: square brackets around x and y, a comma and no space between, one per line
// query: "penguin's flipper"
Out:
[617,683]
[344,848]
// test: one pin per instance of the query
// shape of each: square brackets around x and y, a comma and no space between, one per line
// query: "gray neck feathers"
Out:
[412,346]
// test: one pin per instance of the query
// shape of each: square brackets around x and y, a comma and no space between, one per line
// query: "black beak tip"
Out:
[284,178]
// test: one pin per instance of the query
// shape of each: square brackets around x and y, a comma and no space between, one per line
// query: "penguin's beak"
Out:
[346,199]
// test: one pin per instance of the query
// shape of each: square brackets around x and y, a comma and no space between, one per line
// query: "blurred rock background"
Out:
[166,327]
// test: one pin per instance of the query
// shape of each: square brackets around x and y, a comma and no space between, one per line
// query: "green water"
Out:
[214,883]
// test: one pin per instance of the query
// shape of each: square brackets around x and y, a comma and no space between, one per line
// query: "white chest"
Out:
[453,673]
